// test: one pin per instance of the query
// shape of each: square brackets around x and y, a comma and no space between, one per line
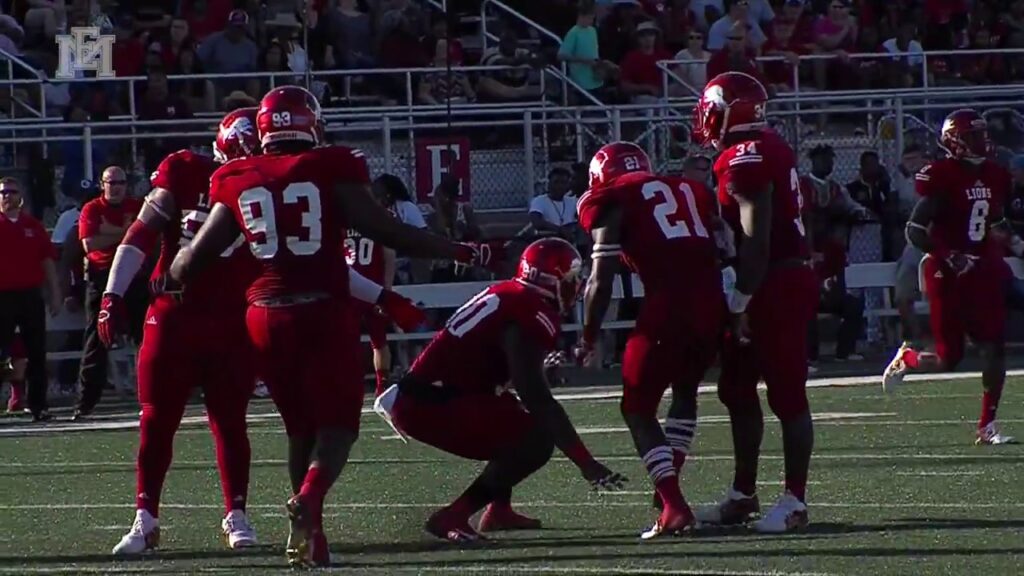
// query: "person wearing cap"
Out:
[101,227]
[230,51]
[28,268]
[640,77]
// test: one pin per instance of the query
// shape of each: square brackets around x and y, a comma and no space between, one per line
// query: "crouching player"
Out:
[458,394]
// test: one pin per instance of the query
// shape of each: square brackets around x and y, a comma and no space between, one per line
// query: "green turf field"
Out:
[897,487]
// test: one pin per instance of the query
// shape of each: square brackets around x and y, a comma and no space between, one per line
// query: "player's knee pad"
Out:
[789,402]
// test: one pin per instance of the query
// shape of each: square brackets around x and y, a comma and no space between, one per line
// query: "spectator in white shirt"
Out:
[555,212]
[394,195]
[694,72]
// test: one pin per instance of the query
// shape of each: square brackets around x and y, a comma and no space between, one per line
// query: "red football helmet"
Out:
[552,266]
[614,160]
[236,136]
[731,102]
[965,136]
[290,114]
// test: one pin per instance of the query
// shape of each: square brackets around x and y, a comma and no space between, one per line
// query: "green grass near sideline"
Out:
[897,488]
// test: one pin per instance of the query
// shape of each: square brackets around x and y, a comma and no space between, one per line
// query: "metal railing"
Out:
[507,174]
[926,84]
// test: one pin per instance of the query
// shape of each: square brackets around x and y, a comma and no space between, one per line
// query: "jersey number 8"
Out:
[977,225]
[266,224]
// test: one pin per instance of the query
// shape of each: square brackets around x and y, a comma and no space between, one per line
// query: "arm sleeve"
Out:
[88,222]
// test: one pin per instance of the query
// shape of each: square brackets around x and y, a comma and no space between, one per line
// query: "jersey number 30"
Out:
[265,223]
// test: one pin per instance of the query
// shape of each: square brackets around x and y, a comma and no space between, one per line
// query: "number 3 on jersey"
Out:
[265,223]
[668,206]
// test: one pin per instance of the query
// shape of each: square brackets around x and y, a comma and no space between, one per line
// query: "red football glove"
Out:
[961,263]
[483,254]
[402,311]
[110,324]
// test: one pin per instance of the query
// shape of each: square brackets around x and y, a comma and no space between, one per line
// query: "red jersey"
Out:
[469,353]
[186,176]
[365,256]
[99,211]
[969,199]
[286,208]
[746,167]
[666,228]
[25,246]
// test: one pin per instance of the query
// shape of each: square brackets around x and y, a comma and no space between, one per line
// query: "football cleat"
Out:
[384,404]
[991,436]
[892,378]
[307,545]
[16,402]
[446,525]
[498,518]
[787,515]
[143,536]
[736,508]
[238,532]
[671,523]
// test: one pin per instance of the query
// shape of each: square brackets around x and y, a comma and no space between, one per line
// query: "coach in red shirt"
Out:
[101,227]
[28,264]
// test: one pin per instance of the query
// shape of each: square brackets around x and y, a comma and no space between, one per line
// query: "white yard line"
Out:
[596,501]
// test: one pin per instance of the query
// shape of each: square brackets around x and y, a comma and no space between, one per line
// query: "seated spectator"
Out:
[987,68]
[238,99]
[761,13]
[154,58]
[198,93]
[230,51]
[581,51]
[707,12]
[640,78]
[452,219]
[795,14]
[737,56]
[158,103]
[615,31]
[694,72]
[835,34]
[128,53]
[506,85]
[438,31]
[178,39]
[400,48]
[738,13]
[554,213]
[676,20]
[781,43]
[445,85]
[904,71]
[869,62]
[948,13]
[352,32]
[205,16]
[394,12]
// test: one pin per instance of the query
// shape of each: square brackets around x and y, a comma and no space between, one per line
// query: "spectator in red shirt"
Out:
[736,56]
[836,34]
[128,50]
[641,79]
[781,44]
[205,16]
[983,68]
[28,265]
[795,13]
[101,227]
[179,38]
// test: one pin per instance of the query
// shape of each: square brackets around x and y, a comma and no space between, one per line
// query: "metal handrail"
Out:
[924,55]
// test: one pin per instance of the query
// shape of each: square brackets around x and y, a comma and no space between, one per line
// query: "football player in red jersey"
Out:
[457,395]
[774,297]
[199,340]
[293,204]
[959,224]
[377,263]
[662,227]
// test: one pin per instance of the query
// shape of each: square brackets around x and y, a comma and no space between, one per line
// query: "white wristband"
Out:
[362,288]
[738,302]
[128,260]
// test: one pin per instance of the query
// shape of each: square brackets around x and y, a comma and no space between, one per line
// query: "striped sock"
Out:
[663,474]
[679,433]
